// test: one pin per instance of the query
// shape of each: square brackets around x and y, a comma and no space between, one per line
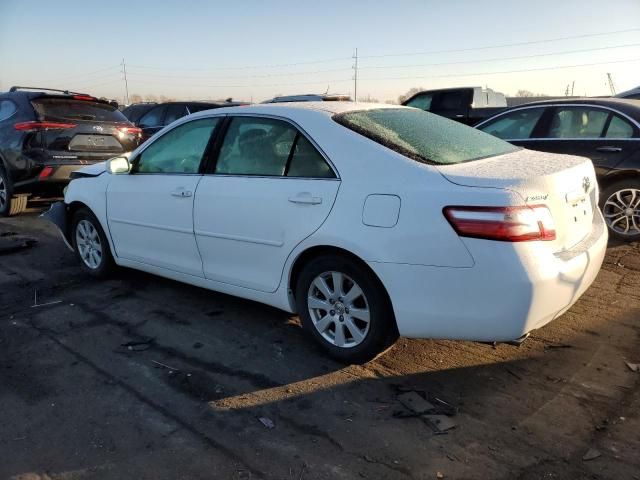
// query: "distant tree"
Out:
[390,102]
[410,93]
[528,93]
[164,98]
[368,99]
[135,98]
[150,98]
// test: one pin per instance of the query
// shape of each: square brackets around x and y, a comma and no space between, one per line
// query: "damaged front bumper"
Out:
[58,215]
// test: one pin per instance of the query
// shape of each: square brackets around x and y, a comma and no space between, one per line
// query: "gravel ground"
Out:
[138,377]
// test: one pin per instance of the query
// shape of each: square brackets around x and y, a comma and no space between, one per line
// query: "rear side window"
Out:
[423,102]
[153,118]
[174,112]
[516,125]
[7,109]
[577,122]
[423,136]
[269,147]
[619,128]
[70,109]
[178,151]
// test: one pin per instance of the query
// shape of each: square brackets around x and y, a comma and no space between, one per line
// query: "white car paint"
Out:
[241,235]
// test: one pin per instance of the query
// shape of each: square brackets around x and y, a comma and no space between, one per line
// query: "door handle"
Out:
[306,198]
[182,193]
[609,149]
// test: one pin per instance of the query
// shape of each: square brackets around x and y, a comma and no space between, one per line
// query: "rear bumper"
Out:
[51,185]
[513,288]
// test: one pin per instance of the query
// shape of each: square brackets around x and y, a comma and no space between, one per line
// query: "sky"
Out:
[252,50]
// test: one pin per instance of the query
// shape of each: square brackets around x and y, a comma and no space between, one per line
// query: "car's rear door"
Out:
[150,210]
[590,131]
[270,188]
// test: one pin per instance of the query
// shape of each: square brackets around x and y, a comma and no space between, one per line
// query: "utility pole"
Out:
[573,84]
[611,85]
[126,84]
[355,76]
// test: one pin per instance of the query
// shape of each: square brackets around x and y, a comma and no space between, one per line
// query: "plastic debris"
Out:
[634,367]
[591,454]
[439,423]
[415,402]
[267,422]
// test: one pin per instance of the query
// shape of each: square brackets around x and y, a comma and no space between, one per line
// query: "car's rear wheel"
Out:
[345,308]
[621,209]
[10,204]
[90,244]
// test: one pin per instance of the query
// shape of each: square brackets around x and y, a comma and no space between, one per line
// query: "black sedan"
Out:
[607,130]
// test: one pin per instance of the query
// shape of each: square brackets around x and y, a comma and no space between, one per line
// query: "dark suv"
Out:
[47,134]
[153,118]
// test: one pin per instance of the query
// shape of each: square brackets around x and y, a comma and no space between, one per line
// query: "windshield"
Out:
[423,136]
[70,109]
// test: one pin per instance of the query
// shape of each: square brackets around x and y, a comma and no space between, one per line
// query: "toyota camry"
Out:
[368,221]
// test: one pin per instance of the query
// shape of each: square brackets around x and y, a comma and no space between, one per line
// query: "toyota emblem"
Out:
[586,183]
[98,128]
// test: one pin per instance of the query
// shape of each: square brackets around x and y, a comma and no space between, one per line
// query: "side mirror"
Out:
[118,165]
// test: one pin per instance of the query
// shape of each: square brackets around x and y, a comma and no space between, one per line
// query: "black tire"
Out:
[10,204]
[382,331]
[106,264]
[625,187]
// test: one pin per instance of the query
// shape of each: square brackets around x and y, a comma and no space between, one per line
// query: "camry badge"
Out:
[586,183]
[98,128]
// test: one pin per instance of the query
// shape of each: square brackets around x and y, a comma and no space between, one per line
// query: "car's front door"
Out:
[269,189]
[150,210]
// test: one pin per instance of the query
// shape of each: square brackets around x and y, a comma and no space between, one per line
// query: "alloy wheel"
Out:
[89,245]
[339,309]
[622,211]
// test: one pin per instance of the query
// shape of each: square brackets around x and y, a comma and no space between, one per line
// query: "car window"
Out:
[307,162]
[256,146]
[72,109]
[577,122]
[423,136]
[174,112]
[153,118]
[7,108]
[423,102]
[619,128]
[454,100]
[179,150]
[515,125]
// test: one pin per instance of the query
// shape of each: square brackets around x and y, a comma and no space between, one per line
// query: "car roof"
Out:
[628,106]
[291,108]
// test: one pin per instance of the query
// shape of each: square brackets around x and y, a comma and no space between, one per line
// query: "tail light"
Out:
[129,130]
[46,172]
[506,224]
[84,97]
[33,126]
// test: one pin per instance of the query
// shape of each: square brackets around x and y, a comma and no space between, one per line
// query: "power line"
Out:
[503,71]
[318,82]
[504,45]
[268,75]
[87,74]
[520,57]
[247,67]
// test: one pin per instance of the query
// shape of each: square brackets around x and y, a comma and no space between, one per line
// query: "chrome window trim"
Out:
[553,105]
[542,139]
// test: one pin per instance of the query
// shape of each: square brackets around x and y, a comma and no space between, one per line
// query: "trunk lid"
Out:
[565,184]
[96,131]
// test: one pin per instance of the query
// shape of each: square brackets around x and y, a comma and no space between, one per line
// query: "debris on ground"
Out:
[46,304]
[439,423]
[439,475]
[634,367]
[267,422]
[163,365]
[591,454]
[9,243]
[415,402]
[139,345]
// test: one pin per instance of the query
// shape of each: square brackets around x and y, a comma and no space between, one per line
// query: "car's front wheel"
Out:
[345,308]
[621,209]
[90,244]
[10,204]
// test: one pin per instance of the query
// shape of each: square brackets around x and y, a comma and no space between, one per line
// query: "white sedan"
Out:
[369,221]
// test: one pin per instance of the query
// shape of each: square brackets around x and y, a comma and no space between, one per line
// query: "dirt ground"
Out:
[78,399]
